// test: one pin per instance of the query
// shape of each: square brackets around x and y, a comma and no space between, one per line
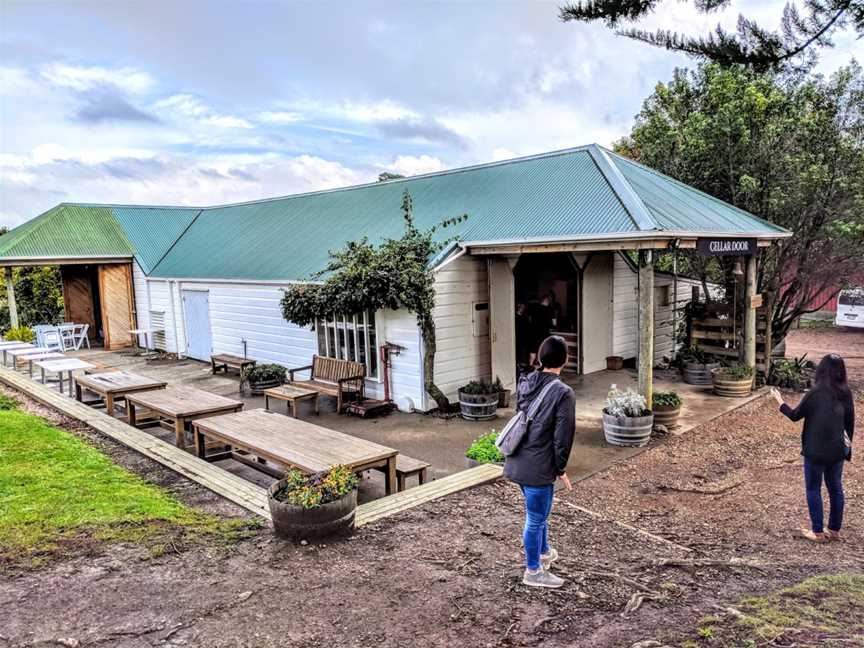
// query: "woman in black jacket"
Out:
[828,411]
[542,456]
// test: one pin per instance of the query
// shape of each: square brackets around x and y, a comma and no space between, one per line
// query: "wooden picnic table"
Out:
[14,346]
[293,443]
[43,355]
[66,365]
[115,386]
[291,394]
[181,405]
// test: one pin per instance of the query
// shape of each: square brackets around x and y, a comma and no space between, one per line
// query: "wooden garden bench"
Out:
[332,377]
[406,467]
[225,361]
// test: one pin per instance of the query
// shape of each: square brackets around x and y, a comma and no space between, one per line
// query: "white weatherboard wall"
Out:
[597,312]
[625,308]
[142,302]
[461,355]
[406,382]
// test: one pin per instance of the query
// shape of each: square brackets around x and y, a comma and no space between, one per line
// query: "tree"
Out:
[392,275]
[38,296]
[752,45]
[789,149]
[386,176]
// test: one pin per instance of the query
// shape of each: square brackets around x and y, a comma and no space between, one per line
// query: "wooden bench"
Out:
[332,377]
[225,361]
[406,467]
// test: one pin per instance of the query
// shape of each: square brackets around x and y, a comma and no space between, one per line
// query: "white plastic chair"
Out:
[52,341]
[67,335]
[79,335]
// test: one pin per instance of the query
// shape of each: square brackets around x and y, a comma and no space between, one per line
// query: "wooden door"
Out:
[78,297]
[115,290]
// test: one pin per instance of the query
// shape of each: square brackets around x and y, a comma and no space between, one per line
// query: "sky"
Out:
[201,103]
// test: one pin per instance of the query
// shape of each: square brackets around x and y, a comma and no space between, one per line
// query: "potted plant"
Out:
[478,400]
[667,408]
[503,394]
[263,376]
[627,421]
[614,363]
[734,380]
[306,507]
[484,451]
[794,374]
[698,366]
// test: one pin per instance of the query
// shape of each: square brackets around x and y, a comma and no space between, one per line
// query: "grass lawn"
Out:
[58,493]
[818,612]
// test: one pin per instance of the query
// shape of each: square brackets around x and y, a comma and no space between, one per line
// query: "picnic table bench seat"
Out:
[332,377]
[225,361]
[406,467]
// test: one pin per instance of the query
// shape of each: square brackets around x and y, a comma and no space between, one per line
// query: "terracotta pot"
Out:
[478,407]
[504,398]
[666,415]
[298,523]
[614,363]
[731,387]
[628,430]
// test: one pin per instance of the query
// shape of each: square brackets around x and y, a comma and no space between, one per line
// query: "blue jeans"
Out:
[833,474]
[538,505]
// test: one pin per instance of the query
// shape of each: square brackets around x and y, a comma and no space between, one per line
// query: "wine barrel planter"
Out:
[666,415]
[257,388]
[478,407]
[731,387]
[298,523]
[628,430]
[696,373]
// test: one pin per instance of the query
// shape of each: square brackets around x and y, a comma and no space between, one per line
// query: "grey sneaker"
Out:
[546,560]
[542,578]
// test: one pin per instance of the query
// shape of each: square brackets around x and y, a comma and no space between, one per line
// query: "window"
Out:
[351,337]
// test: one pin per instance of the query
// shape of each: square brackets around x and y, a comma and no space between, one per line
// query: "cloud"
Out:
[409,165]
[190,106]
[82,78]
[106,105]
[424,129]
[279,117]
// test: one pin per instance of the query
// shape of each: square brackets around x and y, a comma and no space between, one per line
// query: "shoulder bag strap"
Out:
[535,404]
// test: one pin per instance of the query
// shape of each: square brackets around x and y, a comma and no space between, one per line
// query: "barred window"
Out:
[350,337]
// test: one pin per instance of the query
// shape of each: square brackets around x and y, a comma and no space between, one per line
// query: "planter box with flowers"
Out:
[307,507]
[484,451]
[735,380]
[627,421]
[263,376]
[667,408]
[478,400]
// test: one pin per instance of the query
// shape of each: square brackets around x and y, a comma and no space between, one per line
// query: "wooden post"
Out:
[750,313]
[646,326]
[10,297]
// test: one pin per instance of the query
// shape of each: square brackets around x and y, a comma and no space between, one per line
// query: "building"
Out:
[581,224]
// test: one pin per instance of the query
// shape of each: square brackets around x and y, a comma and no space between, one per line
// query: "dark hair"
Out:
[553,352]
[831,375]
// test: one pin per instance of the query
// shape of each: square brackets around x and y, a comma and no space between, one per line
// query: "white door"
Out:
[196,306]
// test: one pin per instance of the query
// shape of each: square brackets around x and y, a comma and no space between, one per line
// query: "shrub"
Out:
[265,373]
[667,399]
[736,371]
[20,334]
[791,374]
[625,403]
[312,491]
[484,450]
[7,402]
[478,387]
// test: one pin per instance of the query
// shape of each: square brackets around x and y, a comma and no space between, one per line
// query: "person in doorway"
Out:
[541,323]
[523,334]
[828,411]
[541,458]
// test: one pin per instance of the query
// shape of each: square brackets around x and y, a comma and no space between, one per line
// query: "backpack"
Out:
[511,436]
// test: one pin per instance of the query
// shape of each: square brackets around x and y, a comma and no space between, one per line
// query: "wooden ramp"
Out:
[228,485]
[412,497]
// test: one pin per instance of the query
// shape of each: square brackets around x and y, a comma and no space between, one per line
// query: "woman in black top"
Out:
[541,457]
[828,411]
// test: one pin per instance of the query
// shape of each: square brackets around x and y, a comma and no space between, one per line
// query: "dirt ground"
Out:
[724,500]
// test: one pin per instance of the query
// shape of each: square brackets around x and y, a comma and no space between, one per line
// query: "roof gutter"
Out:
[63,260]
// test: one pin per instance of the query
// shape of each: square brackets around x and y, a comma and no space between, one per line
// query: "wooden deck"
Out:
[236,489]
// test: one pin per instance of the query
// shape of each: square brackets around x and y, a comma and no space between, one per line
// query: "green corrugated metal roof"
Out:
[67,231]
[565,195]
[152,230]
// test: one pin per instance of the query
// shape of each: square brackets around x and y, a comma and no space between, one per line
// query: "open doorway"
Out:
[548,301]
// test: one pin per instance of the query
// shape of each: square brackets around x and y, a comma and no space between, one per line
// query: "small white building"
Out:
[576,223]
